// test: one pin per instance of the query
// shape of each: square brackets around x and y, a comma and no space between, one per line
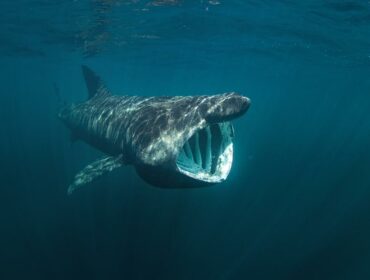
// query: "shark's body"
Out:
[181,141]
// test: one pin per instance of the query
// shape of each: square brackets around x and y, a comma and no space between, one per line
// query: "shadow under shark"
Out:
[173,141]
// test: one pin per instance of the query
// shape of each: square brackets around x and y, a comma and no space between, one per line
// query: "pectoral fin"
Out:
[94,170]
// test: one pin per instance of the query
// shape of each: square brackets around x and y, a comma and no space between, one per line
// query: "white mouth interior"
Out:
[208,154]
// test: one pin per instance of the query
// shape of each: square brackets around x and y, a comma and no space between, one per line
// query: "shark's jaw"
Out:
[202,154]
[207,155]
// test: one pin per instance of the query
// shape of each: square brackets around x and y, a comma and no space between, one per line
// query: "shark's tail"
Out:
[60,102]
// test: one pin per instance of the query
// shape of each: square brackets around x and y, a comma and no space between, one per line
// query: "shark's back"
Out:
[133,124]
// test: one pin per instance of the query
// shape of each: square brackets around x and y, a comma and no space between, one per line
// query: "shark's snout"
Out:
[227,107]
[207,155]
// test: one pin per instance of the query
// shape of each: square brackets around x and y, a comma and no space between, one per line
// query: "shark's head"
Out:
[193,146]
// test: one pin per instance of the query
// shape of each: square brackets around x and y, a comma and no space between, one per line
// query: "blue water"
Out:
[296,204]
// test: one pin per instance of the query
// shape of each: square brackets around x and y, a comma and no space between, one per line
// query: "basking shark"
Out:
[173,141]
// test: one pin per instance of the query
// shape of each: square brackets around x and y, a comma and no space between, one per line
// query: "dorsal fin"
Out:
[95,85]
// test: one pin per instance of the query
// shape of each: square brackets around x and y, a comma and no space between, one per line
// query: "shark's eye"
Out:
[207,155]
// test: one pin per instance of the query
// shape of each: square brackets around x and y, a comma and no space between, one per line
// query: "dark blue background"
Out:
[296,204]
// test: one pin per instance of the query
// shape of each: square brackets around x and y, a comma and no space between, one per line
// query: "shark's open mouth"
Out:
[208,154]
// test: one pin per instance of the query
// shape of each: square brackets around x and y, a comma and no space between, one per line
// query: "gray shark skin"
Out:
[173,141]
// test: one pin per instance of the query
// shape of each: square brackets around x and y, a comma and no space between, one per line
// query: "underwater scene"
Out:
[185,139]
